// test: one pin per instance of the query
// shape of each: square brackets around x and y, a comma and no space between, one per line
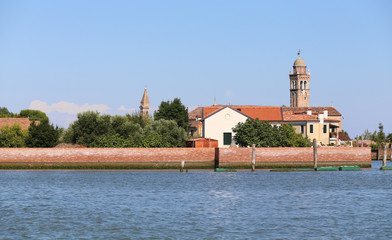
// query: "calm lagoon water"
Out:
[195,205]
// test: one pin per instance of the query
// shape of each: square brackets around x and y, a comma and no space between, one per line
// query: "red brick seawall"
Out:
[266,157]
[292,156]
[139,155]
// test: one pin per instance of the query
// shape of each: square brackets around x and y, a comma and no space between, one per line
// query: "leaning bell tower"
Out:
[299,84]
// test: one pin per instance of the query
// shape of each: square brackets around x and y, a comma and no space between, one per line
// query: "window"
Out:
[311,128]
[325,129]
[239,109]
[302,128]
[226,138]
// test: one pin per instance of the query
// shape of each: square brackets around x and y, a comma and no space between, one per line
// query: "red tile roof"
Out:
[23,122]
[263,113]
[331,110]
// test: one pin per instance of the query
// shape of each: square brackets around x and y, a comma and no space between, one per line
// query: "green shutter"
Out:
[226,138]
[311,128]
[325,129]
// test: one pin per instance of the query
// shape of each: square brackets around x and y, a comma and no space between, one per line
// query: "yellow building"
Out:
[321,123]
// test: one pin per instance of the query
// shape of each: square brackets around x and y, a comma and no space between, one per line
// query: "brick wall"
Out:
[304,156]
[136,155]
[226,156]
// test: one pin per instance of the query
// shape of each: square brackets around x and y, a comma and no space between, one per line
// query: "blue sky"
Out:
[64,57]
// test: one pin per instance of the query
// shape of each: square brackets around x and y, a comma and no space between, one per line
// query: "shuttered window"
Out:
[311,128]
[226,138]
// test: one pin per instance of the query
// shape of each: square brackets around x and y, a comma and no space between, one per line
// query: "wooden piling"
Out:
[253,157]
[314,153]
[390,157]
[361,140]
[384,159]
[182,165]
[357,141]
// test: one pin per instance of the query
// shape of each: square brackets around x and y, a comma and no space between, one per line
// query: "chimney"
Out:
[321,117]
[325,113]
[309,112]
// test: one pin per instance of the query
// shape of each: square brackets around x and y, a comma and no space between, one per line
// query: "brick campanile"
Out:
[299,84]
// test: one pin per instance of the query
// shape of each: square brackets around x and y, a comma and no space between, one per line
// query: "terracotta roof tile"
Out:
[23,122]
[263,113]
[331,110]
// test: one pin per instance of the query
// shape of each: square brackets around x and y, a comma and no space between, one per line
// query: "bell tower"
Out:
[144,104]
[299,84]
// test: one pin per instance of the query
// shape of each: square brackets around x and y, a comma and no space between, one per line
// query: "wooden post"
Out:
[361,140]
[390,157]
[253,157]
[357,141]
[384,159]
[378,153]
[182,165]
[314,153]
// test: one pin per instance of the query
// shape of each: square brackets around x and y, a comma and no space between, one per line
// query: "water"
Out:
[195,205]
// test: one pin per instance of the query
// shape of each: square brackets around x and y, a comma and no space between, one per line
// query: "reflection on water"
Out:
[194,205]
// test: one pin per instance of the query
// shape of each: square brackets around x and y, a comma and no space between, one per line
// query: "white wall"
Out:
[222,122]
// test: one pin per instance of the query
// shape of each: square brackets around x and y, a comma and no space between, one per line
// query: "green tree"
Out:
[164,133]
[94,130]
[42,135]
[389,137]
[173,110]
[112,140]
[263,134]
[33,115]
[143,121]
[88,127]
[5,113]
[12,137]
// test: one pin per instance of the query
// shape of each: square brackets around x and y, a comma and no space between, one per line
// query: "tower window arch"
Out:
[305,83]
[301,85]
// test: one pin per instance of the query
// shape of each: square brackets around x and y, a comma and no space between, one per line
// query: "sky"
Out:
[65,57]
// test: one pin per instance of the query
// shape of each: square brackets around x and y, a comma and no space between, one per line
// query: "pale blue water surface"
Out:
[195,205]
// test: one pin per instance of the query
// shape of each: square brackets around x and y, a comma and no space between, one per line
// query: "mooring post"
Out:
[314,153]
[182,165]
[253,157]
[390,157]
[361,140]
[384,159]
[357,141]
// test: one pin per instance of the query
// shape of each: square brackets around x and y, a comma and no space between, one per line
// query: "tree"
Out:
[42,135]
[87,128]
[12,137]
[173,110]
[33,115]
[380,135]
[5,113]
[94,130]
[164,133]
[389,137]
[263,134]
[143,121]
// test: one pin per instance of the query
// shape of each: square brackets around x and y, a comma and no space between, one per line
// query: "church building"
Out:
[321,123]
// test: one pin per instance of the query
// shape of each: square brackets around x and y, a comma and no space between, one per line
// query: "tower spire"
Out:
[144,104]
